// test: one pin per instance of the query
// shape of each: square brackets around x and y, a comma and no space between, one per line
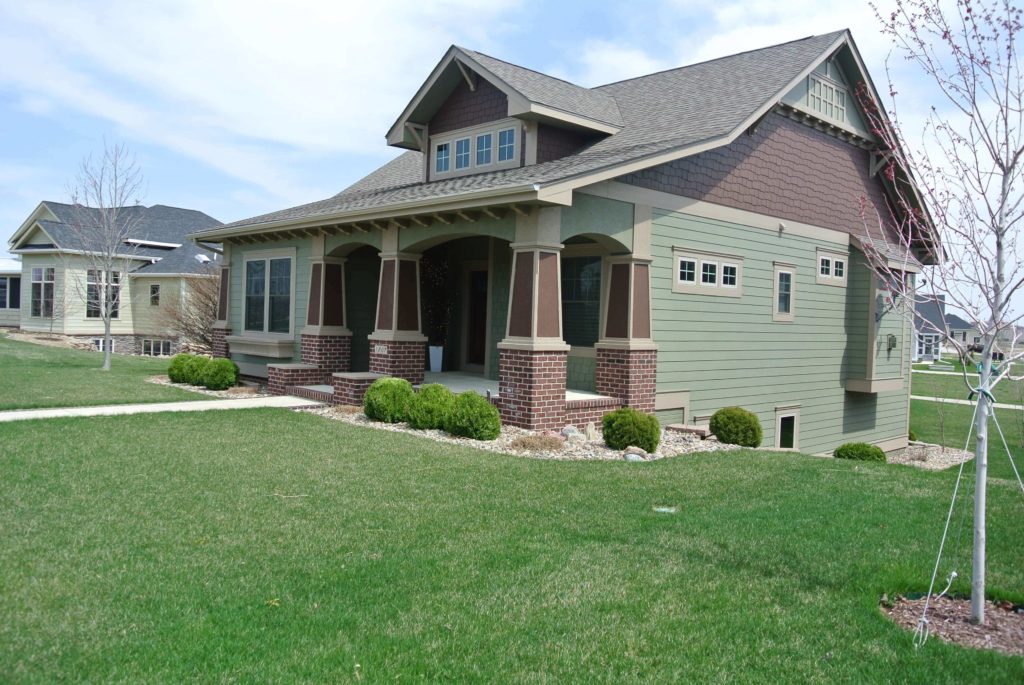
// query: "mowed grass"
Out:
[936,385]
[275,547]
[34,376]
[949,424]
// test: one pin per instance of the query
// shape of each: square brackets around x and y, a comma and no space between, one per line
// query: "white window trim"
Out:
[6,304]
[831,278]
[98,344]
[121,283]
[697,286]
[721,276]
[471,134]
[267,255]
[476,150]
[782,412]
[158,294]
[785,317]
[32,281]
[469,153]
[159,344]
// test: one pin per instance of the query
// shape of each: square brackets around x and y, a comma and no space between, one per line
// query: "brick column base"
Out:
[531,388]
[281,376]
[349,388]
[329,352]
[219,344]
[399,358]
[628,375]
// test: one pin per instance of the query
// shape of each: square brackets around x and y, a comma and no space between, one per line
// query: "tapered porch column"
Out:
[533,355]
[222,326]
[627,357]
[397,347]
[325,340]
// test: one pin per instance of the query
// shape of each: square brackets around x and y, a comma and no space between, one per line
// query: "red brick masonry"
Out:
[400,358]
[629,375]
[219,343]
[349,388]
[581,412]
[329,352]
[281,376]
[531,389]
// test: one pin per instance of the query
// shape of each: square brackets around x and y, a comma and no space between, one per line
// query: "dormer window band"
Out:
[481,148]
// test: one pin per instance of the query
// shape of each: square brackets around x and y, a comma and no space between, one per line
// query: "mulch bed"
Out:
[950,621]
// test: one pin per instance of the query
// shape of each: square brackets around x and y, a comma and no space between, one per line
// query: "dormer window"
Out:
[462,153]
[442,156]
[483,149]
[471,150]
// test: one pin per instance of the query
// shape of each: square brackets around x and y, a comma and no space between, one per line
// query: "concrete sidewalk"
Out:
[949,400]
[280,401]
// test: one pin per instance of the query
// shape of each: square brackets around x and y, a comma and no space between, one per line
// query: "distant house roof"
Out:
[955,323]
[930,316]
[681,111]
[9,266]
[156,229]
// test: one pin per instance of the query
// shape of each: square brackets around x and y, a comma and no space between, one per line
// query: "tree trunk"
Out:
[981,475]
[106,341]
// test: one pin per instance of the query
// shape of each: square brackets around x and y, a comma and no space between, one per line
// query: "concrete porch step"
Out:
[320,393]
[700,431]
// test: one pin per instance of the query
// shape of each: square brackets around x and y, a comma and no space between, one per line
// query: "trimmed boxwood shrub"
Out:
[430,406]
[473,416]
[195,370]
[176,369]
[388,400]
[220,374]
[736,426]
[911,435]
[628,427]
[860,451]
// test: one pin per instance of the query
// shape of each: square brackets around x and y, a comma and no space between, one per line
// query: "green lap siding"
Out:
[729,351]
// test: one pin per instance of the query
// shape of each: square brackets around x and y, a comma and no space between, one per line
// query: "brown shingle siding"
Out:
[784,169]
[555,143]
[465,107]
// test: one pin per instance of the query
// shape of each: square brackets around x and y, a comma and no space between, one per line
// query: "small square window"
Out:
[462,153]
[709,273]
[838,268]
[826,266]
[483,149]
[728,275]
[687,271]
[442,158]
[506,145]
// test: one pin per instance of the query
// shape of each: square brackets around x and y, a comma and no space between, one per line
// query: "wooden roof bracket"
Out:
[467,74]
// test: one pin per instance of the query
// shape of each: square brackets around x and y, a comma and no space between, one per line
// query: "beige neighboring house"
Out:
[10,293]
[57,284]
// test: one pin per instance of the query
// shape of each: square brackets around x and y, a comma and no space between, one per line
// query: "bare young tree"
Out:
[964,212]
[193,315]
[105,218]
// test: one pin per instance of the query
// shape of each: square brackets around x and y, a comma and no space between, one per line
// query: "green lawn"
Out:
[33,376]
[936,385]
[274,547]
[956,419]
[959,367]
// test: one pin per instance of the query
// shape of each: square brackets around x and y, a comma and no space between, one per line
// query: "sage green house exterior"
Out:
[678,262]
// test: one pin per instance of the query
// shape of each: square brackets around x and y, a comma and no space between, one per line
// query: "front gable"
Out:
[29,231]
[829,95]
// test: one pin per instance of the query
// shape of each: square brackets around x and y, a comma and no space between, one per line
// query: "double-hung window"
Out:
[462,153]
[101,291]
[268,294]
[42,292]
[785,284]
[483,149]
[707,273]
[442,157]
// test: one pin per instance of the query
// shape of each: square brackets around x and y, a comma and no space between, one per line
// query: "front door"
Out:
[476,320]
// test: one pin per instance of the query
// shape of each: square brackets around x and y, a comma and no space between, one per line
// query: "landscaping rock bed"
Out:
[575,444]
[925,455]
[237,392]
[950,621]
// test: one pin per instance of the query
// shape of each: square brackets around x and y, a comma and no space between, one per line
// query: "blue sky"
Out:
[239,108]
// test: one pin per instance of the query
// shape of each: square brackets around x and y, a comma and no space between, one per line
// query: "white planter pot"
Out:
[436,356]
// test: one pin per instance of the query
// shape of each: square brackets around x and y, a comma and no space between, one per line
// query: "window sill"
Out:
[277,348]
[873,386]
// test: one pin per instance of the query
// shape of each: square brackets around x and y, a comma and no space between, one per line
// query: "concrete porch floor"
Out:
[458,381]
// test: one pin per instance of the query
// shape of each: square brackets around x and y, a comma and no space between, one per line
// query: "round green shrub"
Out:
[911,435]
[176,369]
[220,374]
[628,427]
[860,451]
[430,406]
[388,400]
[473,416]
[195,370]
[736,426]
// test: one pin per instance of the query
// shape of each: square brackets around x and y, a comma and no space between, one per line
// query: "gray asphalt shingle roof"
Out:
[659,112]
[158,223]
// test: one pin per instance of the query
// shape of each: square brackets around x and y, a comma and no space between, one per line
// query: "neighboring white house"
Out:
[929,329]
[10,292]
[57,286]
